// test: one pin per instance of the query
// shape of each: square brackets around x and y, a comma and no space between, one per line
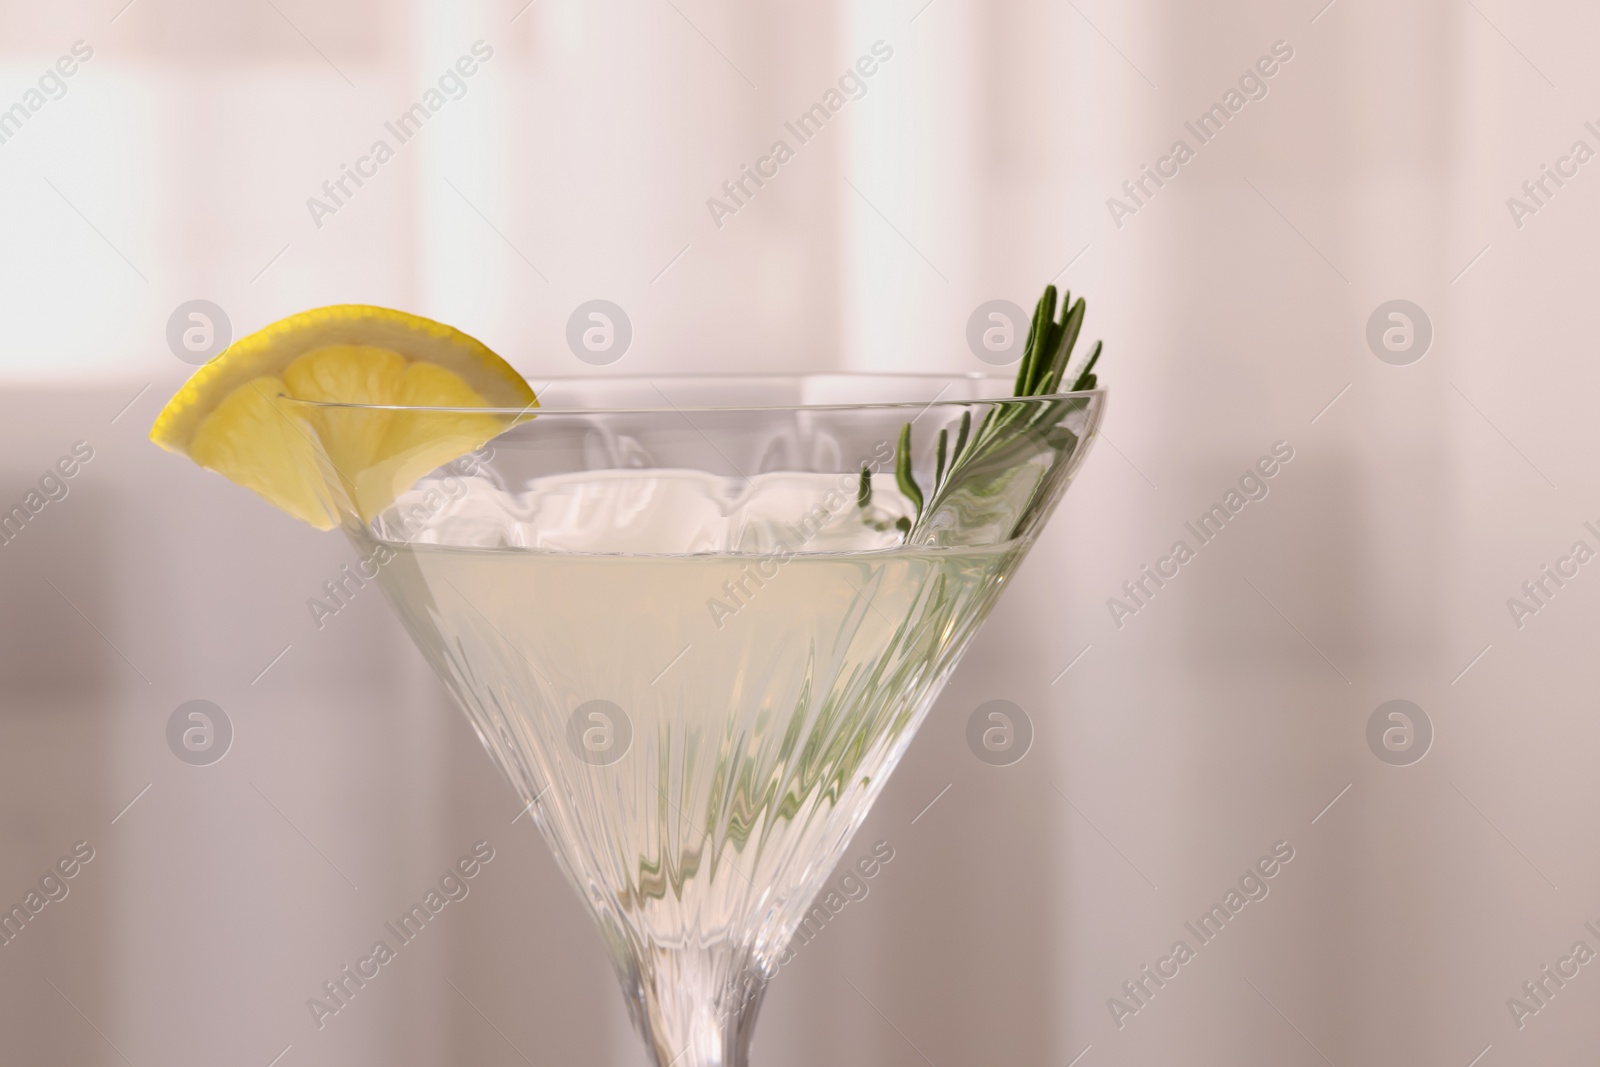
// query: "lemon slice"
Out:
[236,415]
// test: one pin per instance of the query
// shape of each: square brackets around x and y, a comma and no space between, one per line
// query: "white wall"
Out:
[1218,720]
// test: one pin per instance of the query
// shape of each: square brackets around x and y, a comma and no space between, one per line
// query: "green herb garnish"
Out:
[1044,366]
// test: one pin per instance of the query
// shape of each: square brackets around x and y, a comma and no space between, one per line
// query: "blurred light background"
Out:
[1227,715]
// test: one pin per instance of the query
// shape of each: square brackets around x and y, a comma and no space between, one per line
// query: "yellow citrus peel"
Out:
[265,414]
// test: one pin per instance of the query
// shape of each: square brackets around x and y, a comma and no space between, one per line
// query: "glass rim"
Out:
[668,407]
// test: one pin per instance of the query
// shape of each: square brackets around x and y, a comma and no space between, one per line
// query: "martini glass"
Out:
[696,622]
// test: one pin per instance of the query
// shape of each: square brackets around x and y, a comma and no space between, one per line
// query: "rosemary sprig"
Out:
[1046,361]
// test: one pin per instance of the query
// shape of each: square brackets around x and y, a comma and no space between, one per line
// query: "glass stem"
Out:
[696,1007]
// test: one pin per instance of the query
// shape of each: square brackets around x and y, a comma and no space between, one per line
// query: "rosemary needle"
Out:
[1046,359]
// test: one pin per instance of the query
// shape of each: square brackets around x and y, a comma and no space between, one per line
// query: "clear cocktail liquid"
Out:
[700,730]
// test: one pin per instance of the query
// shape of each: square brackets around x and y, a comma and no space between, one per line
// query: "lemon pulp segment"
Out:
[236,415]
